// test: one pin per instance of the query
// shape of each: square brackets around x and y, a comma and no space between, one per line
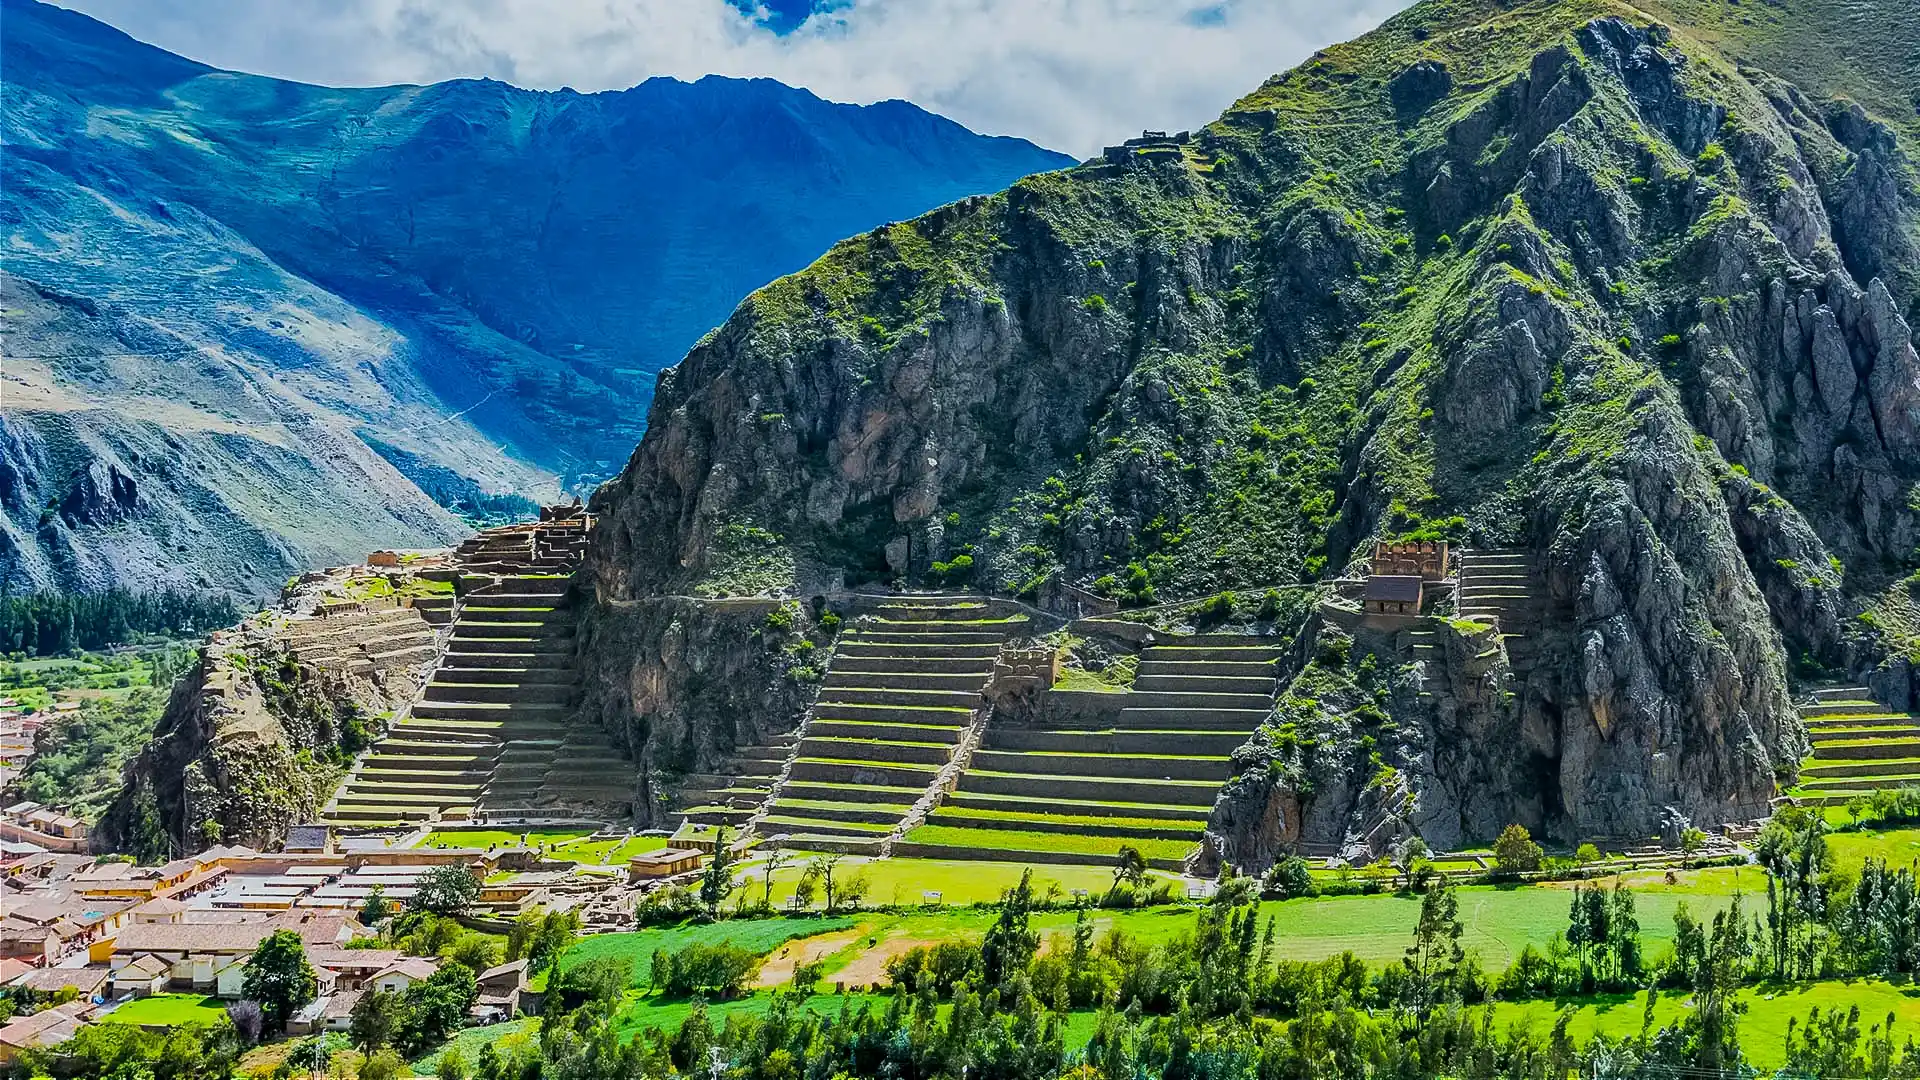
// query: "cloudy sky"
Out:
[1069,74]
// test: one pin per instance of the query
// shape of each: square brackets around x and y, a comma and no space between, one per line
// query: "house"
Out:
[11,969]
[143,975]
[48,1027]
[663,863]
[338,1013]
[1393,594]
[500,989]
[194,952]
[402,973]
[230,979]
[87,982]
[306,1019]
[354,968]
[160,909]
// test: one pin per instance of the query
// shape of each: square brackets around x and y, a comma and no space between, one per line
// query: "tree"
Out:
[476,952]
[1407,853]
[376,909]
[541,936]
[447,890]
[1290,877]
[1010,943]
[375,1018]
[436,1007]
[1129,866]
[1586,854]
[279,977]
[716,881]
[821,870]
[1515,852]
[1435,953]
[775,860]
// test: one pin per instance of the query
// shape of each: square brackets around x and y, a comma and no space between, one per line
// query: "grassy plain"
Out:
[169,1010]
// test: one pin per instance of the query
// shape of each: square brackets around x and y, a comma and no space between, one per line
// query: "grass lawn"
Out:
[761,936]
[468,1043]
[611,852]
[482,838]
[958,881]
[1763,1029]
[1017,840]
[170,1010]
[1898,847]
[1498,920]
[644,1012]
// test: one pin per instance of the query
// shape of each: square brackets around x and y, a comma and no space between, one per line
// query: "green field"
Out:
[612,852]
[1019,840]
[484,838]
[1763,1029]
[169,1010]
[757,935]
[905,882]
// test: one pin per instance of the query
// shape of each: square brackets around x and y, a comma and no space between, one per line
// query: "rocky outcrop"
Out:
[259,732]
[1605,299]
[680,683]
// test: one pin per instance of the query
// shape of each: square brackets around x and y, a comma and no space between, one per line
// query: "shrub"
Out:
[720,969]
[1215,609]
[1586,854]
[957,572]
[1095,303]
[1289,878]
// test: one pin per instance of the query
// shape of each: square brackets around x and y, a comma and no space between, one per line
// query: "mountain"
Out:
[255,326]
[1626,294]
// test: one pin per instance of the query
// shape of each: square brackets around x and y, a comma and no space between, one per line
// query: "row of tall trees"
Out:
[54,623]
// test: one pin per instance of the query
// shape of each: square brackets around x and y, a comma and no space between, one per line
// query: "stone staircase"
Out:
[902,690]
[1148,780]
[490,731]
[738,789]
[1505,586]
[1859,746]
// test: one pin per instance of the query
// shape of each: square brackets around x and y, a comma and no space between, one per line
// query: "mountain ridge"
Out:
[324,247]
[1554,277]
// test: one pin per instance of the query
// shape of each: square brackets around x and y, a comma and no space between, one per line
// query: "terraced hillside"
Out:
[1859,745]
[490,733]
[737,789]
[1079,793]
[901,701]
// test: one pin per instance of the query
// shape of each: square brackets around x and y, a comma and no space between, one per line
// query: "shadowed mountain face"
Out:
[294,320]
[1620,298]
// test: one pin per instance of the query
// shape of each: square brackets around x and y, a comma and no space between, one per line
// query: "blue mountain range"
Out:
[241,308]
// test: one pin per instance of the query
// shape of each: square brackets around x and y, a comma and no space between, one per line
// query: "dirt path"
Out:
[870,967]
[779,967]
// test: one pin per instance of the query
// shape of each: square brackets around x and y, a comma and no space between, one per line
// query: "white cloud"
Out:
[1070,74]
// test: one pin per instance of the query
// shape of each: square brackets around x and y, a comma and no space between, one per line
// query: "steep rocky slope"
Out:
[1571,278]
[296,322]
[257,735]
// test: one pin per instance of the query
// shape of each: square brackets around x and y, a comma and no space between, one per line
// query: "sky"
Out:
[1072,75]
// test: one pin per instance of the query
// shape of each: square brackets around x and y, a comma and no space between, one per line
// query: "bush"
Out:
[957,572]
[1515,852]
[1586,854]
[720,970]
[666,907]
[1289,878]
[1215,609]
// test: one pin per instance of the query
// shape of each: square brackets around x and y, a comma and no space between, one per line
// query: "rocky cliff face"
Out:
[259,733]
[1547,276]
[680,683]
